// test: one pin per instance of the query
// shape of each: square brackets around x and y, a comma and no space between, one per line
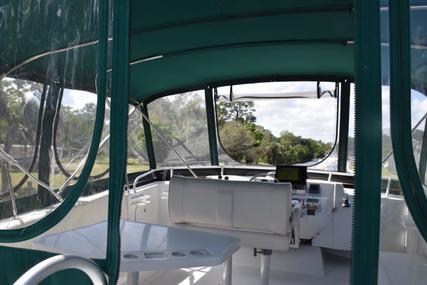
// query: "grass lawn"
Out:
[134,165]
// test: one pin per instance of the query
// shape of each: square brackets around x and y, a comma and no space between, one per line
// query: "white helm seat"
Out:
[258,213]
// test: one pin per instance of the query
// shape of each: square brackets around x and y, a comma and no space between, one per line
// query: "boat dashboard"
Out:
[325,206]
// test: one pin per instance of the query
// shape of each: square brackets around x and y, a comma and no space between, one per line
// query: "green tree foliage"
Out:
[75,129]
[181,118]
[240,111]
[14,125]
[136,138]
[19,113]
[238,141]
[248,142]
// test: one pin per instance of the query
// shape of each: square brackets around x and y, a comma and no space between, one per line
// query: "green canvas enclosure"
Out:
[157,48]
[185,46]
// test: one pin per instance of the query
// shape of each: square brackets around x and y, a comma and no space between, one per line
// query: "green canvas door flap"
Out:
[16,235]
[400,113]
[367,200]
[16,261]
[423,156]
[118,133]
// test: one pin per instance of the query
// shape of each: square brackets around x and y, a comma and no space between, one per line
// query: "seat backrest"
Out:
[234,205]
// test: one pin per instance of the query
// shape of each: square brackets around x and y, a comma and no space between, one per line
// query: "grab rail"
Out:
[135,182]
[58,263]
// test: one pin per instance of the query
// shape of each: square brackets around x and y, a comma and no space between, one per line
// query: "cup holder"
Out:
[178,254]
[167,254]
[130,256]
[199,252]
[154,254]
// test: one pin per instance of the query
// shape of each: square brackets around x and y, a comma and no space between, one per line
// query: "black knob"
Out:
[346,203]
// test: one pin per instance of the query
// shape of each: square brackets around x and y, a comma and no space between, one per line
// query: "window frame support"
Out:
[211,122]
[344,124]
[148,138]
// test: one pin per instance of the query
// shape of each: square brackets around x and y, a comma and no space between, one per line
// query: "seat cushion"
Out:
[249,239]
[258,213]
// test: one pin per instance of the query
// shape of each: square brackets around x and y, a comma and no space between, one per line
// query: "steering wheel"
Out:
[268,174]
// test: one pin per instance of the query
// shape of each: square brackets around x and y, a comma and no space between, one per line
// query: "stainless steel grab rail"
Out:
[135,182]
[61,262]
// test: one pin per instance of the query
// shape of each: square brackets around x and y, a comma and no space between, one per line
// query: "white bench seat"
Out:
[258,213]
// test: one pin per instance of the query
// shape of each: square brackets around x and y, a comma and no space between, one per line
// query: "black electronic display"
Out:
[297,175]
[314,188]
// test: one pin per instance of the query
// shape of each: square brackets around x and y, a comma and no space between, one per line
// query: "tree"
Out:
[75,128]
[237,141]
[181,118]
[13,125]
[248,142]
[239,111]
[274,153]
[46,143]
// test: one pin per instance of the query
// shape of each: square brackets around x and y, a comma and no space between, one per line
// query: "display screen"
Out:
[290,173]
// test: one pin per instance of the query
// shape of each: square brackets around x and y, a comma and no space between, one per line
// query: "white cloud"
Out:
[311,118]
[77,99]
[314,118]
[418,108]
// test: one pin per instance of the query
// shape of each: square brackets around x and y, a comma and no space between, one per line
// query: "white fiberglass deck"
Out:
[394,269]
[150,204]
[403,256]
[337,271]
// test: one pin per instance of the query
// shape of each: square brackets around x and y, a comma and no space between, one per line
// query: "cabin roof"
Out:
[183,45]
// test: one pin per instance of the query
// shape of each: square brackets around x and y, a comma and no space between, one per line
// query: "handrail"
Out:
[58,263]
[10,160]
[82,162]
[139,177]
[11,193]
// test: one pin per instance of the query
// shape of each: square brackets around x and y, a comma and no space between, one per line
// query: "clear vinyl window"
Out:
[278,122]
[181,119]
[45,134]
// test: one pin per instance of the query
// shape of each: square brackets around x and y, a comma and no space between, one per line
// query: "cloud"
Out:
[310,118]
[418,108]
[77,99]
[314,118]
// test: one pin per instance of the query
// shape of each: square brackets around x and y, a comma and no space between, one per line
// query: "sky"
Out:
[308,117]
[77,99]
[418,108]
[313,118]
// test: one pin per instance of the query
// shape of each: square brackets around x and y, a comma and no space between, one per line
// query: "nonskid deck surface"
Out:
[337,271]
[394,269]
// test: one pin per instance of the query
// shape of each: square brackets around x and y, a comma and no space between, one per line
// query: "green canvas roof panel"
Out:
[238,64]
[193,43]
[171,12]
